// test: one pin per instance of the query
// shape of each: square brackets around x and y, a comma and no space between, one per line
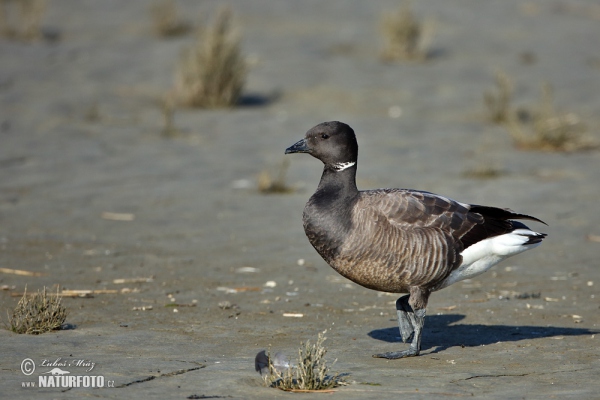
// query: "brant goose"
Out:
[400,240]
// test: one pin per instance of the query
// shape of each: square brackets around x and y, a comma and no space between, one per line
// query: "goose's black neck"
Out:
[338,185]
[328,214]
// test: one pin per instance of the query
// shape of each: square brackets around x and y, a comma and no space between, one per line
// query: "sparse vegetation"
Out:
[540,127]
[484,171]
[167,22]
[484,165]
[212,72]
[92,114]
[547,129]
[168,111]
[310,374]
[37,313]
[21,19]
[498,101]
[406,38]
[268,185]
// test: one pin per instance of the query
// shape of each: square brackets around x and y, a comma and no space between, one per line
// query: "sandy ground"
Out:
[80,136]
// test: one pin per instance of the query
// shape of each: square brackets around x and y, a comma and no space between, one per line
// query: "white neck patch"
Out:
[342,166]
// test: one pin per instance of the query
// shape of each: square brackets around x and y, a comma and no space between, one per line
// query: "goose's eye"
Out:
[325,136]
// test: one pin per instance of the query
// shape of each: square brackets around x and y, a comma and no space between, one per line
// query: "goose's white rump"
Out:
[483,255]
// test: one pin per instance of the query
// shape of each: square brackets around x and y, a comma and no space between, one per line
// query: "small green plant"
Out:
[498,101]
[212,72]
[406,38]
[310,374]
[37,313]
[21,19]
[547,129]
[167,23]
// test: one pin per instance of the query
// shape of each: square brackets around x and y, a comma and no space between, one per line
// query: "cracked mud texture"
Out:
[81,135]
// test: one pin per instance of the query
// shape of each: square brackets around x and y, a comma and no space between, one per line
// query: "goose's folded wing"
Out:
[466,224]
[411,209]
[417,231]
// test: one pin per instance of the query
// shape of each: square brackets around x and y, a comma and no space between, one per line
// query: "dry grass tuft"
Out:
[484,171]
[406,37]
[546,129]
[38,313]
[498,101]
[540,127]
[485,166]
[168,112]
[310,374]
[268,185]
[212,72]
[167,23]
[21,19]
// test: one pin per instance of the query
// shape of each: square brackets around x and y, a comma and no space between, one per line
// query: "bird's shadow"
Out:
[440,332]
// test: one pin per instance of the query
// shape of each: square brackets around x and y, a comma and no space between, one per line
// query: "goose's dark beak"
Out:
[299,147]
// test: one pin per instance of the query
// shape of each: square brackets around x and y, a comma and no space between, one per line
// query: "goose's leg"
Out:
[414,317]
[404,321]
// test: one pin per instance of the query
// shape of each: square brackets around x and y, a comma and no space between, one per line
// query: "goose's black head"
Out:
[334,143]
